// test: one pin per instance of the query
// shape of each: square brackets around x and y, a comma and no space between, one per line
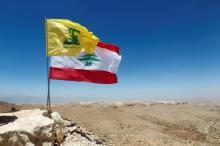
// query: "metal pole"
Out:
[48,86]
[48,72]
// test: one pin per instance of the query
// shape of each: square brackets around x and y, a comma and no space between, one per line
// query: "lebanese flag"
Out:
[99,67]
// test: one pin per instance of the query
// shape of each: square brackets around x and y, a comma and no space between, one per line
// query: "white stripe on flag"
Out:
[109,61]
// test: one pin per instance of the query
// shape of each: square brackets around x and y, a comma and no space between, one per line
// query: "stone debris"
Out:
[74,133]
[32,128]
[56,117]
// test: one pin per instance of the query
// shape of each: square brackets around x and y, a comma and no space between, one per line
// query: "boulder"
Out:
[32,128]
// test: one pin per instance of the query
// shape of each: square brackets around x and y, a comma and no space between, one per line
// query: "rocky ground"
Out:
[35,128]
[146,124]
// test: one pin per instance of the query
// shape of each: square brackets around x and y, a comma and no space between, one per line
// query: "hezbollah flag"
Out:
[67,38]
[98,67]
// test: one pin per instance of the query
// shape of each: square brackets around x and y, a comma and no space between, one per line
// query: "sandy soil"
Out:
[146,124]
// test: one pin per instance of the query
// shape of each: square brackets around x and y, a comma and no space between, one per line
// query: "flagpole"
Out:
[48,86]
[48,72]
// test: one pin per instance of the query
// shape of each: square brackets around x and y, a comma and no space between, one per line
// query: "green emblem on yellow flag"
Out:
[67,38]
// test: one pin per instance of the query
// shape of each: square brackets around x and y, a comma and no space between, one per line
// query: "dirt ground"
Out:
[146,124]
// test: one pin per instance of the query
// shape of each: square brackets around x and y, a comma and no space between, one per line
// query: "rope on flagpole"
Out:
[48,79]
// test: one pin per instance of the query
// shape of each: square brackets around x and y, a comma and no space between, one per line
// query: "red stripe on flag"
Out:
[109,47]
[80,75]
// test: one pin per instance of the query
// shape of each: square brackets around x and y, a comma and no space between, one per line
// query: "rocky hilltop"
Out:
[34,128]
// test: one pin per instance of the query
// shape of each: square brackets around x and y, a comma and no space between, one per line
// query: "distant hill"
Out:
[7,107]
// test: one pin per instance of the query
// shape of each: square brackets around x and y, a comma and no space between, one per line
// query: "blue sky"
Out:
[170,49]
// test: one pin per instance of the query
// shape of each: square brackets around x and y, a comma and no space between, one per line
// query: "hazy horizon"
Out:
[63,100]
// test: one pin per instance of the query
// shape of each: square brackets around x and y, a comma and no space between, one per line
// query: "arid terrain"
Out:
[145,124]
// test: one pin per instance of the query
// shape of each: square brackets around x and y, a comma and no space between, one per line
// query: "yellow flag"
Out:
[67,38]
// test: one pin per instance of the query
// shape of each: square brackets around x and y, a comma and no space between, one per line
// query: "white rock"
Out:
[32,128]
[70,144]
[56,117]
[27,120]
[13,140]
[29,144]
[47,144]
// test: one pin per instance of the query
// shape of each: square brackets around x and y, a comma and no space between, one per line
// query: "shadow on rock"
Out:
[7,119]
